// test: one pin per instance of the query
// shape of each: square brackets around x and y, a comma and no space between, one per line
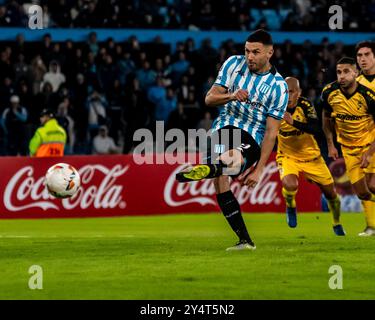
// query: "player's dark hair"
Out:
[365,44]
[261,36]
[347,60]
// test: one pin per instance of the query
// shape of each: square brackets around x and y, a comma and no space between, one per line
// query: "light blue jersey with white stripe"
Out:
[268,97]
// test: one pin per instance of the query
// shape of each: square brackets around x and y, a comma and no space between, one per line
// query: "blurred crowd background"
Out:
[113,88]
[287,15]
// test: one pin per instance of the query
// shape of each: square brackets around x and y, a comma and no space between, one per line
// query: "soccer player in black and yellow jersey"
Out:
[298,152]
[366,60]
[348,108]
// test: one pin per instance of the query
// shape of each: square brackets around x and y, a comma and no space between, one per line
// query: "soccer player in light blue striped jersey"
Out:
[255,97]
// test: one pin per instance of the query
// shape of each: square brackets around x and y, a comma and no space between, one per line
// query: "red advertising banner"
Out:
[117,186]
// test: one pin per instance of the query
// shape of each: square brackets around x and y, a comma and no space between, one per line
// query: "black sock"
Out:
[216,170]
[232,212]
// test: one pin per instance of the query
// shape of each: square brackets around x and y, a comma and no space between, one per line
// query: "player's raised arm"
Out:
[219,94]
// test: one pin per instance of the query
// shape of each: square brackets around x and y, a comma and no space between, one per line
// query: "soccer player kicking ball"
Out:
[299,152]
[350,106]
[254,96]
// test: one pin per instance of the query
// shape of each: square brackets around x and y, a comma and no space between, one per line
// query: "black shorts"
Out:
[228,138]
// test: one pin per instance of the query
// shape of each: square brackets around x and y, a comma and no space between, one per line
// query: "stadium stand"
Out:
[126,85]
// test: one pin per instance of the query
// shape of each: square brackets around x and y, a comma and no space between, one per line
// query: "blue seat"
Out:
[256,16]
[273,19]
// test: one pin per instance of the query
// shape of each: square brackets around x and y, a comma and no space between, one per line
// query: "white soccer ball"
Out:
[62,180]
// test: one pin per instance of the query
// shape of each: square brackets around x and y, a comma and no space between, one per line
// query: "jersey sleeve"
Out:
[279,101]
[224,77]
[309,110]
[369,96]
[312,125]
[324,99]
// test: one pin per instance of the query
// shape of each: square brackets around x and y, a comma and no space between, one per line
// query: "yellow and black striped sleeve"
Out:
[327,90]
[312,125]
[369,96]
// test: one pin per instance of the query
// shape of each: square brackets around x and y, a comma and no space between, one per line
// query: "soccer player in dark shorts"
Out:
[255,97]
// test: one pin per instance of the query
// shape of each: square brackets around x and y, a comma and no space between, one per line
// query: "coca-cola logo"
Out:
[24,191]
[202,192]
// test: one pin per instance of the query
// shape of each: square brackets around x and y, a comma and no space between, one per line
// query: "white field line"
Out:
[10,236]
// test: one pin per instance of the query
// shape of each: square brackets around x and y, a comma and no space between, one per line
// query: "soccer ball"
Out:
[62,180]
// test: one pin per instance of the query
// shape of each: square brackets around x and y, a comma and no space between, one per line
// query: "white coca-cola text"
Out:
[24,191]
[202,192]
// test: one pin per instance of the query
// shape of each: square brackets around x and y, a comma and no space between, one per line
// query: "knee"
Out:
[329,192]
[290,184]
[330,195]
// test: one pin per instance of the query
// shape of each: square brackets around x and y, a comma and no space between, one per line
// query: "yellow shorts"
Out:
[315,170]
[352,157]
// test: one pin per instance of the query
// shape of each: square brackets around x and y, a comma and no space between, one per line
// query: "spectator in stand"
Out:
[104,144]
[97,112]
[46,48]
[92,43]
[13,121]
[38,70]
[125,67]
[206,122]
[54,76]
[66,121]
[42,100]
[6,91]
[137,112]
[21,69]
[179,67]
[107,74]
[165,106]
[146,76]
[79,93]
[157,93]
[6,68]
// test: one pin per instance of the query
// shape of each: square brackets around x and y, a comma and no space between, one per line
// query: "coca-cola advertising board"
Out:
[117,186]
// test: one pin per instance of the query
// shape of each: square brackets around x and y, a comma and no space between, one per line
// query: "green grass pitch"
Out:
[184,257]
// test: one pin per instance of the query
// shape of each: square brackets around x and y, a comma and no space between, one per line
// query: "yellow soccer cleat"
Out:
[196,173]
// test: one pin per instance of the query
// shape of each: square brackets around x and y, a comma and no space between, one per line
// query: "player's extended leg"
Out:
[229,163]
[289,191]
[232,212]
[334,205]
[361,188]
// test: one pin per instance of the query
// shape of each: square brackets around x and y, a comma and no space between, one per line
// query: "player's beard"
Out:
[256,67]
[252,67]
[347,84]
